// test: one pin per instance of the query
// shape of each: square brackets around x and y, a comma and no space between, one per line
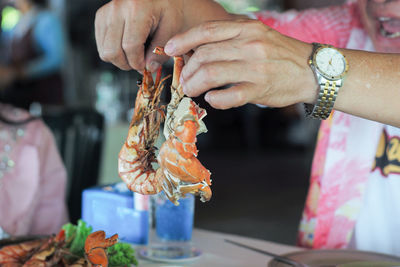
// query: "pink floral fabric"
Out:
[342,160]
[33,177]
[331,25]
[340,171]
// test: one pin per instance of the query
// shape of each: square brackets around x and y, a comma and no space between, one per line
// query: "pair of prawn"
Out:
[179,172]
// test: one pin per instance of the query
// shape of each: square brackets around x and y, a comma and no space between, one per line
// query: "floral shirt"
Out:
[343,185]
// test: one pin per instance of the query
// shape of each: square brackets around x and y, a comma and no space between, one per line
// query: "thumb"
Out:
[160,38]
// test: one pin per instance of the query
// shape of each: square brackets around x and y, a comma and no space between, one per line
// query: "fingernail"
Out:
[154,65]
[207,98]
[169,48]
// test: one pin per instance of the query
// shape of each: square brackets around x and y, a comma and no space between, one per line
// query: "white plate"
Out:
[315,258]
[170,253]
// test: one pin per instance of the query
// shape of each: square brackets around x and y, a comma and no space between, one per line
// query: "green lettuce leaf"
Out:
[75,236]
[121,254]
[70,232]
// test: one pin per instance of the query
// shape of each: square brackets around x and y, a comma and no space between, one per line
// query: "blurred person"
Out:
[32,176]
[33,69]
[355,186]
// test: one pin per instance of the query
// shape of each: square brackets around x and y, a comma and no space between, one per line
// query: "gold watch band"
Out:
[326,98]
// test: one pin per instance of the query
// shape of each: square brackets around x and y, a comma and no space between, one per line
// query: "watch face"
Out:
[330,62]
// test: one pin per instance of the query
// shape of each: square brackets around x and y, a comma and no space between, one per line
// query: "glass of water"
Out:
[174,223]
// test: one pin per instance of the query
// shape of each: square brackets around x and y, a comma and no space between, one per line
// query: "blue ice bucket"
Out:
[110,208]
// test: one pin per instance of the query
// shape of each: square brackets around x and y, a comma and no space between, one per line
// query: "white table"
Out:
[218,253]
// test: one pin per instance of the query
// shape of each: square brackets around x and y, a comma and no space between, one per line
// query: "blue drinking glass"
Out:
[174,223]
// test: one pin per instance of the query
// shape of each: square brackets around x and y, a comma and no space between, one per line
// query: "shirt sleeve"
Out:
[331,25]
[51,211]
[49,38]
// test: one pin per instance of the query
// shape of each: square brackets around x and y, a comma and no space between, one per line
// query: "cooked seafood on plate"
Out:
[73,246]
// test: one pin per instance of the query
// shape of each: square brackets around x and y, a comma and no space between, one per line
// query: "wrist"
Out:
[308,89]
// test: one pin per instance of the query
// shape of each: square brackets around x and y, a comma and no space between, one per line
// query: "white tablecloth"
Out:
[218,253]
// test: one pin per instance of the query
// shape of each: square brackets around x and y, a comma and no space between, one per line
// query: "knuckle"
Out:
[128,46]
[110,55]
[259,48]
[210,74]
[261,67]
[208,29]
[240,98]
[199,56]
[116,60]
[107,55]
[102,56]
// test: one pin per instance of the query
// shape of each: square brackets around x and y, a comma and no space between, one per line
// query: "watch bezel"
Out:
[314,62]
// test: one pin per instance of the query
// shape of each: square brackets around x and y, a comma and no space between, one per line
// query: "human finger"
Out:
[100,28]
[212,75]
[161,36]
[102,24]
[235,96]
[208,32]
[110,37]
[138,28]
[220,51]
[112,50]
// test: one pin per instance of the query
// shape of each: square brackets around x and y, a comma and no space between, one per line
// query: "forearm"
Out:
[371,88]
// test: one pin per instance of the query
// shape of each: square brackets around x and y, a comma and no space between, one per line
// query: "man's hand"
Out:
[260,65]
[127,31]
[125,27]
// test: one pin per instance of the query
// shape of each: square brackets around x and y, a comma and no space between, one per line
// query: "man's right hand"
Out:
[127,31]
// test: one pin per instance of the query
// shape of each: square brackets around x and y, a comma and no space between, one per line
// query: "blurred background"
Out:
[260,158]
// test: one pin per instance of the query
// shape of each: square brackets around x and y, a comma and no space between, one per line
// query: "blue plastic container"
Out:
[110,208]
[174,223]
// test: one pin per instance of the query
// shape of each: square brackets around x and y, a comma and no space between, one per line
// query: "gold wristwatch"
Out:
[330,67]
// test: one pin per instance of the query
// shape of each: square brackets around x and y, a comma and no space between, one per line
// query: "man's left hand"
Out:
[260,65]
